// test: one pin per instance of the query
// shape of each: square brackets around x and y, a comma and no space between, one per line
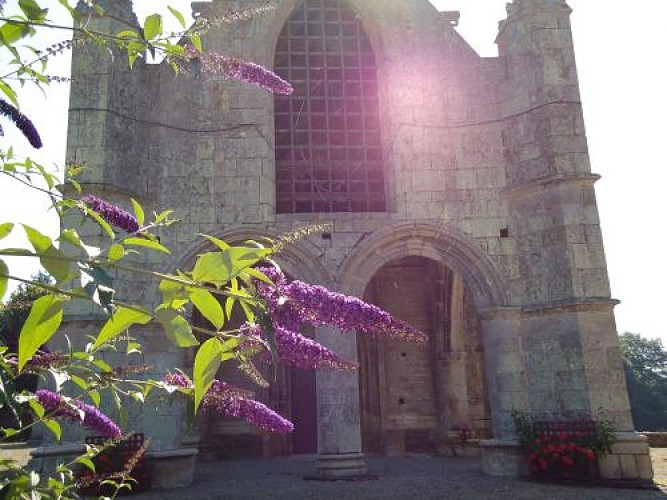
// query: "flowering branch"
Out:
[22,122]
[231,68]
[78,411]
[225,399]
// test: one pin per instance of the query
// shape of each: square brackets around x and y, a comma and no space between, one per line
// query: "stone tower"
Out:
[461,198]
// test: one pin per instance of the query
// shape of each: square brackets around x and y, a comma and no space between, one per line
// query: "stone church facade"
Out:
[460,197]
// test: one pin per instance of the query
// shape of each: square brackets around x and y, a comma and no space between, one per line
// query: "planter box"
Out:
[113,460]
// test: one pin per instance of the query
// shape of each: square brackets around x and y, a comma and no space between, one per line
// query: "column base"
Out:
[630,459]
[341,467]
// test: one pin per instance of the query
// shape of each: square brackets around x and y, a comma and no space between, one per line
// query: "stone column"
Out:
[338,413]
[503,351]
[457,384]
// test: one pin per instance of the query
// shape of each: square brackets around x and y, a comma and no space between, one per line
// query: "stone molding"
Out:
[535,186]
[440,243]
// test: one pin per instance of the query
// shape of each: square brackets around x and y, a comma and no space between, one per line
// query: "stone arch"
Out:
[285,8]
[442,244]
[299,259]
[293,392]
[452,367]
[413,397]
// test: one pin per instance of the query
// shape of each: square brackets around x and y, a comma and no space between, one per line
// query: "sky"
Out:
[620,50]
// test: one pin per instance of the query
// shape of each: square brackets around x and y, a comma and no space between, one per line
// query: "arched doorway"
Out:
[291,392]
[414,396]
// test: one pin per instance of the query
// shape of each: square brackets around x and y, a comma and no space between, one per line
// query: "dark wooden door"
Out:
[304,412]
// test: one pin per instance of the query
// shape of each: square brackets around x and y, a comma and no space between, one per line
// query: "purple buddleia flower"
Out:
[78,411]
[112,214]
[177,379]
[318,306]
[22,122]
[232,68]
[295,303]
[225,399]
[298,350]
[46,361]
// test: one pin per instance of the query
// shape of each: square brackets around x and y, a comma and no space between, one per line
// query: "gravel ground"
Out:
[411,478]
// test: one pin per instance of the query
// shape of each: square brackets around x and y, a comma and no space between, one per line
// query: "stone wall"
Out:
[487,174]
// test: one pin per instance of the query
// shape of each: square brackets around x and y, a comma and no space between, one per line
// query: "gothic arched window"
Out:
[328,147]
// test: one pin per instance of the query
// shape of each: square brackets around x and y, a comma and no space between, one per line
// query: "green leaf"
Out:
[97,285]
[73,12]
[138,211]
[8,432]
[95,396]
[207,362]
[116,252]
[32,10]
[179,17]
[54,427]
[103,365]
[72,237]
[248,310]
[258,275]
[121,320]
[4,271]
[44,319]
[143,242]
[80,382]
[172,291]
[83,460]
[162,216]
[133,348]
[12,32]
[5,229]
[176,327]
[208,306]
[229,306]
[9,92]
[220,267]
[51,258]
[216,241]
[76,186]
[36,407]
[104,224]
[196,41]
[230,344]
[153,26]
[128,35]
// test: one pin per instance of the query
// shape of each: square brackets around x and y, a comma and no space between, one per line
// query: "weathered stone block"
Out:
[610,467]
[628,466]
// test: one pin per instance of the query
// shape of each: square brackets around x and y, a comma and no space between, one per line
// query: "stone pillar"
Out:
[338,414]
[503,351]
[457,386]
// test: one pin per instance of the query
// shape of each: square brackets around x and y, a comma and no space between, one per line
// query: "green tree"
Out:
[15,311]
[13,315]
[645,362]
